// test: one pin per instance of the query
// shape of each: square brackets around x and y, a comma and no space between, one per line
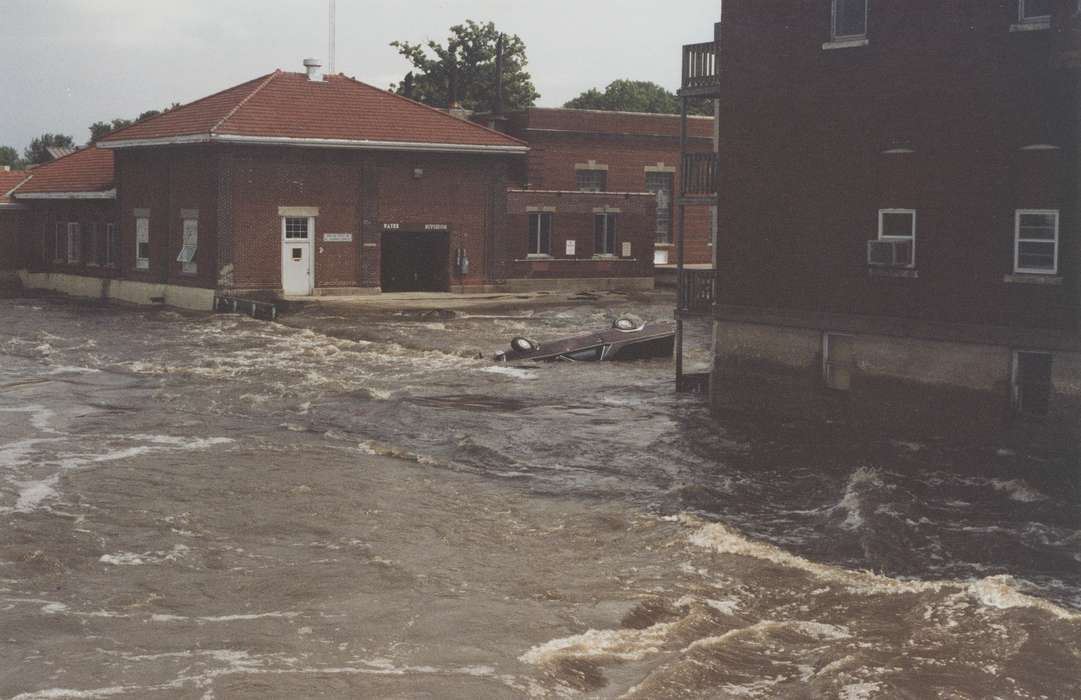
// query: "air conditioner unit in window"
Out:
[889,253]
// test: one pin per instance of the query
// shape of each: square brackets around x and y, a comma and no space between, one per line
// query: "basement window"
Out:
[1031,383]
[190,245]
[540,234]
[75,243]
[1036,241]
[142,243]
[604,234]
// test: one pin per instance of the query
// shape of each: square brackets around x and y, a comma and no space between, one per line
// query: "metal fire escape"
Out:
[698,187]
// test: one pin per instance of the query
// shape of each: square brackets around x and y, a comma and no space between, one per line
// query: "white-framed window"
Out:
[1036,241]
[189,247]
[849,19]
[92,244]
[540,233]
[1034,11]
[1031,384]
[591,180]
[897,228]
[296,228]
[142,243]
[60,242]
[604,233]
[75,241]
[112,245]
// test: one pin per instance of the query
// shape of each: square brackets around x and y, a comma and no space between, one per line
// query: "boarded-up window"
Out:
[75,243]
[112,245]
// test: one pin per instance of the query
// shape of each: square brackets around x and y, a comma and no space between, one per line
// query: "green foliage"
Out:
[10,157]
[37,152]
[635,96]
[99,130]
[471,49]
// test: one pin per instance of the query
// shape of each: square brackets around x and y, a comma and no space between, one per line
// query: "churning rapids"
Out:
[354,505]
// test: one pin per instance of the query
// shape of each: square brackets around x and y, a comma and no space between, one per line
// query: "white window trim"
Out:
[606,214]
[852,39]
[1017,241]
[540,217]
[75,232]
[915,227]
[189,266]
[311,230]
[142,263]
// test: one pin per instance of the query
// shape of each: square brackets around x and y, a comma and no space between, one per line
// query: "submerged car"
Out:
[628,339]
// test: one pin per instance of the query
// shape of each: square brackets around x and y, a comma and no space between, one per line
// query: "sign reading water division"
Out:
[338,237]
[416,227]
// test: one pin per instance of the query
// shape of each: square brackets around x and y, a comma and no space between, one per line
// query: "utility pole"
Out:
[333,35]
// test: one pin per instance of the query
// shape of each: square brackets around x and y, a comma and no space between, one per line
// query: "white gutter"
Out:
[315,143]
[109,194]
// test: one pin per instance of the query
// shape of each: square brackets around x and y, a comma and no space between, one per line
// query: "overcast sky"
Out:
[69,63]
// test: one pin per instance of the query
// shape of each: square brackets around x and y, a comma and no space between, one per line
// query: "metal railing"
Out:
[700,65]
[699,174]
[696,294]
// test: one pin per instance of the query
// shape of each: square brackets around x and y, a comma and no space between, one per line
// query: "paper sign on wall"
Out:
[338,237]
[626,249]
[570,247]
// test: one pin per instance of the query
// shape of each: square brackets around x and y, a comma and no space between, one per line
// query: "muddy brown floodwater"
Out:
[354,505]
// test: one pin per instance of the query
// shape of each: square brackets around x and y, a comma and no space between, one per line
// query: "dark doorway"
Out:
[416,262]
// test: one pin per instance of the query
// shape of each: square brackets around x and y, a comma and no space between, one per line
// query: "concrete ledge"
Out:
[564,284]
[143,293]
[345,291]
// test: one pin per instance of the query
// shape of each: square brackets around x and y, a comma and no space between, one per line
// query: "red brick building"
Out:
[899,209]
[302,184]
[574,150]
[11,221]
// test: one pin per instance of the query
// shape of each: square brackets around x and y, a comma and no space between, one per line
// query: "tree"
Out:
[37,152]
[99,130]
[10,157]
[467,65]
[636,96]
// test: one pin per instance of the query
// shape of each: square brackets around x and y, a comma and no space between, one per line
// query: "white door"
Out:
[298,270]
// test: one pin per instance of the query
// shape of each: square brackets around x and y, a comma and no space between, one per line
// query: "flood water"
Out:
[360,504]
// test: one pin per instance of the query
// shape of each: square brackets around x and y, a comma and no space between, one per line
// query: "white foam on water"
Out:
[996,592]
[177,553]
[624,645]
[859,691]
[852,502]
[818,631]
[514,372]
[33,493]
[69,694]
[1018,490]
[240,617]
[61,369]
[40,417]
[725,607]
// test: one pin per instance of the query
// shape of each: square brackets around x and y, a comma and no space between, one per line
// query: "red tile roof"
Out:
[337,109]
[86,171]
[8,181]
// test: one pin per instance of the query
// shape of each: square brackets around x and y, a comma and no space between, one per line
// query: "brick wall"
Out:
[39,240]
[805,165]
[11,253]
[573,219]
[626,143]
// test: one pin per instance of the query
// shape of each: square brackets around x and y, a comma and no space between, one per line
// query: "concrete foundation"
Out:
[900,385]
[194,298]
[570,284]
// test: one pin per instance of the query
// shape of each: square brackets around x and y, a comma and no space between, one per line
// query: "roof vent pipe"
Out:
[313,67]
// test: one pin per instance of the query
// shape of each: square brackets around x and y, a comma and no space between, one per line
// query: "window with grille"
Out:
[142,244]
[1036,241]
[189,246]
[540,233]
[112,245]
[75,241]
[604,234]
[60,242]
[592,180]
[296,228]
[661,185]
[91,247]
[849,19]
